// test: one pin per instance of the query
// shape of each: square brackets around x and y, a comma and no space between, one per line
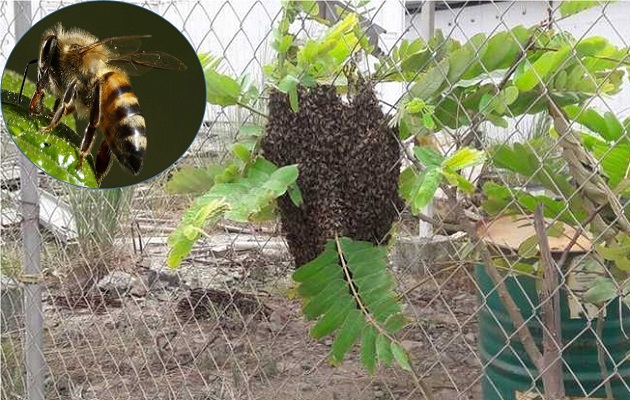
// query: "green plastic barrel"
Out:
[509,369]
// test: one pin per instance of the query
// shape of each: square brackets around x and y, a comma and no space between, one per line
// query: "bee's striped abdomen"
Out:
[121,120]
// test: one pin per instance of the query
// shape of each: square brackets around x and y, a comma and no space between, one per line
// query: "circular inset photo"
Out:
[113,94]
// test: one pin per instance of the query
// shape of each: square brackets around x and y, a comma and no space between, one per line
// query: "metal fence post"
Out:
[33,318]
[427,27]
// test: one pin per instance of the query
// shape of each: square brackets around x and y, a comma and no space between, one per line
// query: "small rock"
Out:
[118,282]
[307,387]
[470,337]
[379,394]
[139,290]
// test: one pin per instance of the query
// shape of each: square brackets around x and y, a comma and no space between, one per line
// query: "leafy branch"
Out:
[56,151]
[236,197]
[349,289]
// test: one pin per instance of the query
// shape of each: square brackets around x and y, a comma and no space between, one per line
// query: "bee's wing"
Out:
[118,46]
[138,62]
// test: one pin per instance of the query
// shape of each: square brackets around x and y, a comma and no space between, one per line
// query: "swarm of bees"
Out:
[91,77]
[349,160]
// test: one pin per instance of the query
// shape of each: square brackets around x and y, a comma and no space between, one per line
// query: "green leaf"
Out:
[510,94]
[205,211]
[55,152]
[428,83]
[428,184]
[310,7]
[501,200]
[459,181]
[221,90]
[333,318]
[603,290]
[288,83]
[348,334]
[283,44]
[307,271]
[522,159]
[209,61]
[193,180]
[503,48]
[571,7]
[428,122]
[395,322]
[295,194]
[323,300]
[497,121]
[528,247]
[538,71]
[613,159]
[401,356]
[589,118]
[241,152]
[617,251]
[11,83]
[368,348]
[251,130]
[384,350]
[280,180]
[591,46]
[293,100]
[465,57]
[428,156]
[463,158]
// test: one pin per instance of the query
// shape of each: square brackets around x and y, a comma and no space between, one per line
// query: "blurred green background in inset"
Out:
[172,102]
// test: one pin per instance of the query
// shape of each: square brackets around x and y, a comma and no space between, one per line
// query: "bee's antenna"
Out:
[24,79]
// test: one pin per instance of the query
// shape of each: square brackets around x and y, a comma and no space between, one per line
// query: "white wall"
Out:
[239,30]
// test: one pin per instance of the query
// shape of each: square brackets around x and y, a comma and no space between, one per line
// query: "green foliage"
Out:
[240,197]
[572,7]
[608,141]
[349,290]
[617,251]
[223,90]
[451,85]
[454,80]
[192,180]
[419,187]
[317,61]
[523,159]
[601,291]
[55,152]
[500,199]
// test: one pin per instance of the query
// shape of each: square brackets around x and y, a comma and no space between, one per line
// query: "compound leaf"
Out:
[350,291]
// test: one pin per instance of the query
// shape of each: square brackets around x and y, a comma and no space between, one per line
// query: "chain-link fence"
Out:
[91,311]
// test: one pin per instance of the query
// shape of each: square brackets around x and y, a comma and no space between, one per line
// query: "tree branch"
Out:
[518,322]
[549,297]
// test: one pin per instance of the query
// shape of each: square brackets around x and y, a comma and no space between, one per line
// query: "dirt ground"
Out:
[152,346]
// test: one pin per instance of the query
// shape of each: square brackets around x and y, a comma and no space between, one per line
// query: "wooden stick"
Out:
[549,296]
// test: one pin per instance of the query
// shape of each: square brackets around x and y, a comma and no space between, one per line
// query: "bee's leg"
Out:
[56,106]
[103,161]
[90,129]
[66,103]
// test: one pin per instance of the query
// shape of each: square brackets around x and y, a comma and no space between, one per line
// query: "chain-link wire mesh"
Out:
[117,323]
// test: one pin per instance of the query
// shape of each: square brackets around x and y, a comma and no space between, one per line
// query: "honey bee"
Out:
[91,76]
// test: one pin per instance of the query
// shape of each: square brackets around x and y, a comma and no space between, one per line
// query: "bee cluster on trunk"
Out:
[349,162]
